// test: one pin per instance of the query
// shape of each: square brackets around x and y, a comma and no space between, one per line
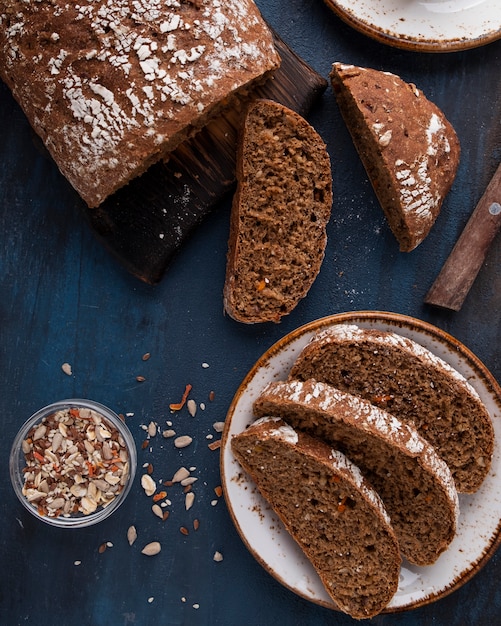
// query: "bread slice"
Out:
[112,87]
[415,485]
[409,149]
[414,385]
[332,513]
[279,215]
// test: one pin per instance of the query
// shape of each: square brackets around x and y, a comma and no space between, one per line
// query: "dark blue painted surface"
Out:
[63,298]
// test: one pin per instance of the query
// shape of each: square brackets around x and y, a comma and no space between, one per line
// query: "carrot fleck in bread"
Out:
[279,215]
[409,149]
[415,485]
[332,513]
[112,87]
[412,384]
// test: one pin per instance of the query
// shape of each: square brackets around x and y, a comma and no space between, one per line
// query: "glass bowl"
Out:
[73,463]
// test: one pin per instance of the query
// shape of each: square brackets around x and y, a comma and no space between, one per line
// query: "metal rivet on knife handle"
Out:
[464,262]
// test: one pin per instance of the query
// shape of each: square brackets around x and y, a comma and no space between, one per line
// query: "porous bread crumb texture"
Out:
[415,486]
[414,385]
[343,534]
[279,214]
[407,146]
[111,86]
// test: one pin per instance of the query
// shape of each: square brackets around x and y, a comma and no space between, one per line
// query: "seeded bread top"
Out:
[408,147]
[328,508]
[418,387]
[416,486]
[111,86]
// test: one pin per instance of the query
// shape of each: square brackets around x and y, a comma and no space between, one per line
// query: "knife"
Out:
[464,262]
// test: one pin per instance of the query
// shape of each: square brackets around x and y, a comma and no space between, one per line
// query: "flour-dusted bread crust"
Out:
[415,485]
[409,149]
[411,383]
[112,87]
[279,215]
[332,513]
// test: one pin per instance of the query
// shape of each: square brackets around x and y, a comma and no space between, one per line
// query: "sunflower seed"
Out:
[152,548]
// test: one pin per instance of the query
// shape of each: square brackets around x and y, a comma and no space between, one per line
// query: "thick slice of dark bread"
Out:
[408,147]
[411,383]
[332,513]
[279,215]
[415,485]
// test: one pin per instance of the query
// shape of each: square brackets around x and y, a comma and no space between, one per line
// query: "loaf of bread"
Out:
[409,149]
[332,513]
[279,215]
[415,485]
[112,87]
[411,383]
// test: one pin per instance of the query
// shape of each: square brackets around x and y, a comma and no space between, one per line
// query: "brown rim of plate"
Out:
[399,321]
[414,44]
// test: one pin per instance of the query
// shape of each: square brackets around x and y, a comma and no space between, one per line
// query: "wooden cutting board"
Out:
[145,223]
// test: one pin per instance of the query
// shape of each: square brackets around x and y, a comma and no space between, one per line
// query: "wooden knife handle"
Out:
[464,262]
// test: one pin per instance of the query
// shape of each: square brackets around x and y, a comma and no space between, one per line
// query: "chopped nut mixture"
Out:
[76,462]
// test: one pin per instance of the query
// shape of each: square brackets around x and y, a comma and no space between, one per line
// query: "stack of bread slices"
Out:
[362,452]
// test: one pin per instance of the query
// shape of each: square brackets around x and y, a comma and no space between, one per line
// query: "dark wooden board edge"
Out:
[145,223]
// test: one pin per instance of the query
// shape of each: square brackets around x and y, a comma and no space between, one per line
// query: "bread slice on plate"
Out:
[279,214]
[406,144]
[332,513]
[416,386]
[112,87]
[415,485]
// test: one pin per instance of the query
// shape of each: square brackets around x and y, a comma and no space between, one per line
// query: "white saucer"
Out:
[479,531]
[424,25]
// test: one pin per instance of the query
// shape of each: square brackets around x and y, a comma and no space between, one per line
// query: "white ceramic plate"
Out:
[428,25]
[479,530]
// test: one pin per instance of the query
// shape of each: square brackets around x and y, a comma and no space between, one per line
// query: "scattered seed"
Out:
[180,475]
[218,557]
[205,365]
[149,468]
[218,491]
[157,510]
[131,535]
[196,605]
[152,429]
[212,395]
[214,445]
[192,407]
[218,427]
[188,481]
[140,379]
[183,441]
[178,406]
[202,406]
[145,444]
[150,599]
[77,562]
[152,548]
[168,433]
[213,502]
[184,530]
[165,515]
[148,484]
[189,500]
[159,496]
[187,488]
[102,548]
[66,367]
[196,524]
[146,356]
